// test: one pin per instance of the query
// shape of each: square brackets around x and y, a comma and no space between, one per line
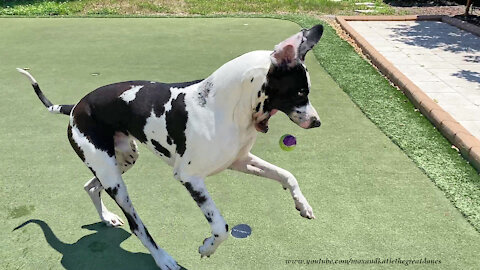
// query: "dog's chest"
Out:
[194,135]
[210,156]
[214,141]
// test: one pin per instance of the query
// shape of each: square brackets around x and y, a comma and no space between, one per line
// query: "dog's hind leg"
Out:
[257,166]
[96,147]
[198,191]
[126,154]
[94,189]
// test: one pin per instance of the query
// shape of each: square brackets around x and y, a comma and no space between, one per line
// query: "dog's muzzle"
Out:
[305,116]
[312,122]
[315,123]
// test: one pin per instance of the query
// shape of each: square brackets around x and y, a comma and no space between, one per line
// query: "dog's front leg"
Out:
[196,187]
[257,166]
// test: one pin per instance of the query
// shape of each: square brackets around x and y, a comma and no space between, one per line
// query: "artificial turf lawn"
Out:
[369,198]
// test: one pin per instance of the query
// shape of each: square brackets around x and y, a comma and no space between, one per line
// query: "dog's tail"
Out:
[64,109]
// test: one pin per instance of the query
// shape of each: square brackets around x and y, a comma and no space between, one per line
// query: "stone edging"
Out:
[468,145]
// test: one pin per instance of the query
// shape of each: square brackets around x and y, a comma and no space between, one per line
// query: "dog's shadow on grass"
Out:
[100,250]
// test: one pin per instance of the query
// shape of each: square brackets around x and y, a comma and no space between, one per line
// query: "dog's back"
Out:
[125,106]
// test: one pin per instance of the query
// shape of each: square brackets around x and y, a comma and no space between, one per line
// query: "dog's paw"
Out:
[304,208]
[208,247]
[166,262]
[112,220]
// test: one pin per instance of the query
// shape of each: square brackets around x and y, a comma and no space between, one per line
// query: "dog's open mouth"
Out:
[261,124]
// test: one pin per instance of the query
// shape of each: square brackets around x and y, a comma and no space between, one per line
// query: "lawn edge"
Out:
[451,183]
[468,144]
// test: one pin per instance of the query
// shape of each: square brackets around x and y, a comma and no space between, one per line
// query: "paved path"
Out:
[440,59]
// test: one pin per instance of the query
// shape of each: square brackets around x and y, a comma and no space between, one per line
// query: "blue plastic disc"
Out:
[241,231]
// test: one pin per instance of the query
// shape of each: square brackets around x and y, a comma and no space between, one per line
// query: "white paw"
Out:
[111,220]
[304,207]
[208,247]
[166,262]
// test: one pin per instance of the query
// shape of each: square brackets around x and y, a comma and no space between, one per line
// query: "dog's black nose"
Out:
[315,123]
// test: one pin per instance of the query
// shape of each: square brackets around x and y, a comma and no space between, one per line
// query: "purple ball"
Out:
[289,140]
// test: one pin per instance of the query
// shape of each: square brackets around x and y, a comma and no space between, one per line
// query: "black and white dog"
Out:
[180,122]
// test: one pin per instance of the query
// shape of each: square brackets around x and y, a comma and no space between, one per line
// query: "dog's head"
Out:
[287,83]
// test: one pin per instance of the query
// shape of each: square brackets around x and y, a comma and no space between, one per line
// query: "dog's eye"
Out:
[303,92]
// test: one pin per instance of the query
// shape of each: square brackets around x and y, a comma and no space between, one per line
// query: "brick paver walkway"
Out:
[440,59]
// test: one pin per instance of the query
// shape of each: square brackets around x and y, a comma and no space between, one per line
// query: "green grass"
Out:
[219,6]
[185,7]
[370,199]
[37,8]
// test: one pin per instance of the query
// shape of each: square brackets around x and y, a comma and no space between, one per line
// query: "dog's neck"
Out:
[236,87]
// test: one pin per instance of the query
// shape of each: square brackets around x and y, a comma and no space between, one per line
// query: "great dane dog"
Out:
[181,122]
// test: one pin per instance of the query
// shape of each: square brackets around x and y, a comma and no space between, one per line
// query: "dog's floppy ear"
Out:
[311,37]
[286,52]
[293,49]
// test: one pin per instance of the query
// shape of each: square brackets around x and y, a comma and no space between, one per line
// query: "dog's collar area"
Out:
[262,126]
